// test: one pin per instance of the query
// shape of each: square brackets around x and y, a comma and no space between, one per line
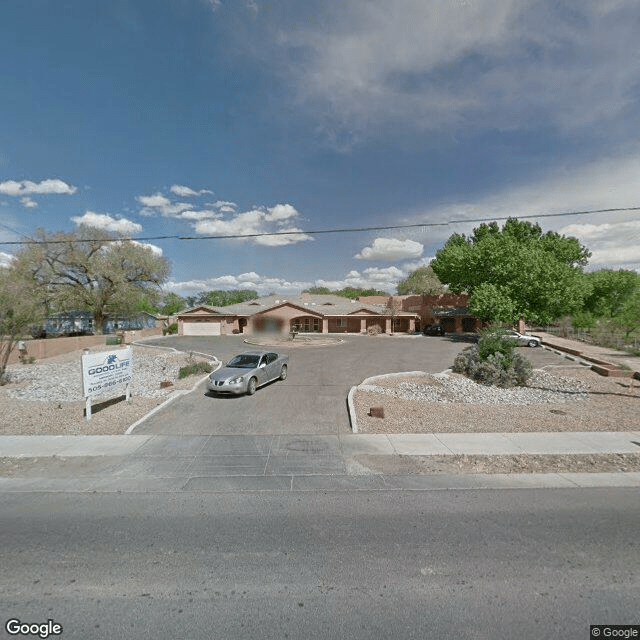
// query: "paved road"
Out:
[471,564]
[313,398]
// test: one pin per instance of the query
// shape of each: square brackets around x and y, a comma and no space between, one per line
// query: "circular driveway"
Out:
[313,398]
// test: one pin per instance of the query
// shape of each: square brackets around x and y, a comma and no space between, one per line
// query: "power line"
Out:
[325,231]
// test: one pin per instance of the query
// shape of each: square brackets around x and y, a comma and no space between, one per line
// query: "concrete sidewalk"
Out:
[590,353]
[423,444]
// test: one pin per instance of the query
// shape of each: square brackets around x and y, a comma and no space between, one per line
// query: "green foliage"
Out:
[493,361]
[355,292]
[516,270]
[347,292]
[609,291]
[422,281]
[318,291]
[172,329]
[21,307]
[94,270]
[219,298]
[194,368]
[172,304]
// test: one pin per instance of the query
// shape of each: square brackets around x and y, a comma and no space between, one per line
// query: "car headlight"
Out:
[236,380]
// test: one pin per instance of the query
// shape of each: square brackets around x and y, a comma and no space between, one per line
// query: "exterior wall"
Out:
[424,306]
[50,347]
[353,325]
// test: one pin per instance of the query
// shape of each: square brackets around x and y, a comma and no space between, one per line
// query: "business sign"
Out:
[101,372]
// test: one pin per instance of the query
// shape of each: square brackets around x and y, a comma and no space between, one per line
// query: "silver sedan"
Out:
[246,372]
[523,339]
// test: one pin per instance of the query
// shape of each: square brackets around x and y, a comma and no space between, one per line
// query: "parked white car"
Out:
[523,339]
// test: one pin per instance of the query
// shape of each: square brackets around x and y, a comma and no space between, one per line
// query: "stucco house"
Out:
[305,313]
[451,310]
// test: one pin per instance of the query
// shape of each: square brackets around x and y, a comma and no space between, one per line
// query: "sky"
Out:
[195,118]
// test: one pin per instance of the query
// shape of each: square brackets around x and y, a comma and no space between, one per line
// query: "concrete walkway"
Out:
[421,444]
[590,352]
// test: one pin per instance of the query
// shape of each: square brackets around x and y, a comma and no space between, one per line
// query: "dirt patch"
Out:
[521,463]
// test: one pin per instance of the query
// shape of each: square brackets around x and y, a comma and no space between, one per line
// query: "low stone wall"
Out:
[50,347]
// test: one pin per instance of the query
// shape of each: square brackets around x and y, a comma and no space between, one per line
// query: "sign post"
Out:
[103,371]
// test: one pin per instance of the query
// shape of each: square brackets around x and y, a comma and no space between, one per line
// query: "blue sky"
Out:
[210,117]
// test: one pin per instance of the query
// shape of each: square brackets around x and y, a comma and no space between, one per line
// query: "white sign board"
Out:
[102,372]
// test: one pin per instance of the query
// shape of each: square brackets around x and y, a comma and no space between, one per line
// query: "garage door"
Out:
[201,328]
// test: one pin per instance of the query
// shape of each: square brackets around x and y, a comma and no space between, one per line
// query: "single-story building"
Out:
[305,313]
[451,310]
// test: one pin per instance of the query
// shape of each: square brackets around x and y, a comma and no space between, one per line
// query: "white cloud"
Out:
[45,187]
[106,222]
[408,267]
[6,259]
[602,185]
[28,202]
[262,284]
[391,249]
[385,279]
[198,215]
[255,222]
[157,250]
[157,203]
[281,212]
[187,192]
[453,64]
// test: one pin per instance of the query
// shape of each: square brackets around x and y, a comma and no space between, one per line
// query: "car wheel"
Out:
[533,343]
[283,372]
[251,386]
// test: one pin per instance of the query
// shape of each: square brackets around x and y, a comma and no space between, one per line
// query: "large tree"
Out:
[20,308]
[220,298]
[422,281]
[93,270]
[514,271]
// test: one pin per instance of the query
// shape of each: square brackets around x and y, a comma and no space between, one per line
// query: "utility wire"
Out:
[323,231]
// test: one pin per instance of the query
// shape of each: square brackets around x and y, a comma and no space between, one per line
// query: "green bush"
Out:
[171,329]
[493,361]
[194,368]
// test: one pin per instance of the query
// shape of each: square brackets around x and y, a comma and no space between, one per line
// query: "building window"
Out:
[341,322]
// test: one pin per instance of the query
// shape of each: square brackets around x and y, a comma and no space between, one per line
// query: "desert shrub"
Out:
[493,361]
[194,368]
[374,330]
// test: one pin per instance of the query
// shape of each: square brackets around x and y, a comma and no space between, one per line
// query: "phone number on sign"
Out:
[107,385]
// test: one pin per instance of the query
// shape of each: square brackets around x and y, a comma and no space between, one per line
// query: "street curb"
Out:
[350,406]
[173,396]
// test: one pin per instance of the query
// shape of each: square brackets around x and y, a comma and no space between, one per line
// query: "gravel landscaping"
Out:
[558,398]
[46,397]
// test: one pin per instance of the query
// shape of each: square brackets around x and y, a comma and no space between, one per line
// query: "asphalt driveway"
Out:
[312,400]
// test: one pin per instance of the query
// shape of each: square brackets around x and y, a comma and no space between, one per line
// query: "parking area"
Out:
[312,400]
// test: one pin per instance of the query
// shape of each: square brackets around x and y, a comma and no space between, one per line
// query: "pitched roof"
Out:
[326,305]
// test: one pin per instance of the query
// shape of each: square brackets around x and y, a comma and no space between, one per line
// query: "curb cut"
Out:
[172,396]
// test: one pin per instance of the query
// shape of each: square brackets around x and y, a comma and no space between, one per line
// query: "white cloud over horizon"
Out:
[603,184]
[372,278]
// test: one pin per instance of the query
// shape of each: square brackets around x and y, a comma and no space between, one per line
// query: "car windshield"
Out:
[244,362]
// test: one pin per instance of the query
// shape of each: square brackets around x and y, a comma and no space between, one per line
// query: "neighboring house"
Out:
[451,310]
[305,313]
[81,323]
